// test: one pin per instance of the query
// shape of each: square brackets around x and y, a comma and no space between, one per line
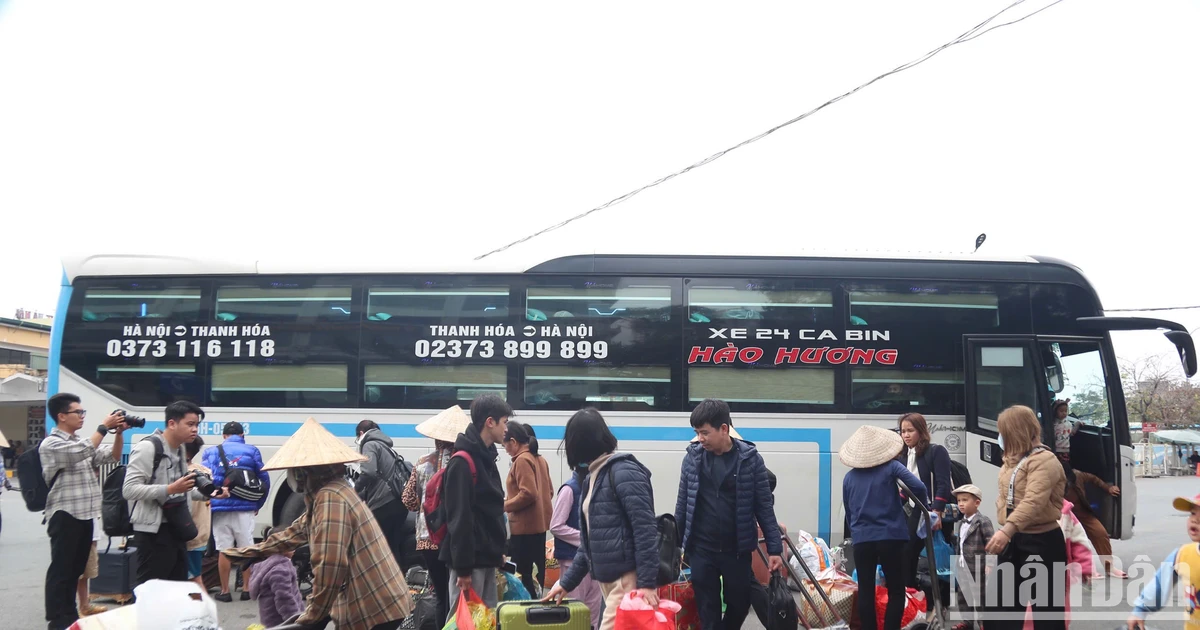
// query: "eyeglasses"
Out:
[82,412]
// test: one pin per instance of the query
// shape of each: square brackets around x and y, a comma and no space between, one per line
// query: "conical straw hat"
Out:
[312,445]
[3,441]
[870,446]
[446,425]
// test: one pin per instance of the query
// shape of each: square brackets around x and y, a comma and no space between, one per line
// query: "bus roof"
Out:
[833,264]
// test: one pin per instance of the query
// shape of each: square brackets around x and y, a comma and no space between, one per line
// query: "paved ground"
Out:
[25,551]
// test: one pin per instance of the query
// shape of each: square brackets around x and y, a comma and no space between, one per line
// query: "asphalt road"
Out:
[25,553]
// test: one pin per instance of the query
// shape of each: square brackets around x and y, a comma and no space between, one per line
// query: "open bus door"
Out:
[1034,371]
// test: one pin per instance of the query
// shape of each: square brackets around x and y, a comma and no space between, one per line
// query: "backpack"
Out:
[670,554]
[243,483]
[34,488]
[115,512]
[401,471]
[434,509]
[959,475]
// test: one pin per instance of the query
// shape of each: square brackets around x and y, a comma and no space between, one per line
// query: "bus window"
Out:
[430,386]
[963,308]
[1082,381]
[755,300]
[310,385]
[1056,307]
[151,385]
[130,301]
[901,391]
[1004,376]
[283,302]
[747,389]
[606,388]
[611,298]
[437,301]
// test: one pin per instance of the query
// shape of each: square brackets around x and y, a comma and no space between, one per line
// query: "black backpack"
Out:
[34,488]
[959,475]
[115,512]
[670,554]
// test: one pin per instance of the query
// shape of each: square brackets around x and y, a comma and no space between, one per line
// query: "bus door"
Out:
[1034,371]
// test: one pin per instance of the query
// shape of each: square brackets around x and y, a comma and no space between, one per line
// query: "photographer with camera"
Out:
[69,465]
[160,489]
[236,466]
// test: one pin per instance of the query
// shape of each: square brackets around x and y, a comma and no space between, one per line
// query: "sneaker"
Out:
[224,597]
[245,596]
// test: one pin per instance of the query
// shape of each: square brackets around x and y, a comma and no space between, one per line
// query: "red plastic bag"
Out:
[471,613]
[913,605]
[635,614]
[682,593]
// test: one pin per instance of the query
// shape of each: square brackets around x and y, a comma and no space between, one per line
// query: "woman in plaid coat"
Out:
[356,581]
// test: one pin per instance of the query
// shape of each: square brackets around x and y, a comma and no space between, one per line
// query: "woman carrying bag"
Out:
[931,464]
[1028,508]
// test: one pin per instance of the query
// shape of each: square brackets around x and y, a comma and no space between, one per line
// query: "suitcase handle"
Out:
[547,615]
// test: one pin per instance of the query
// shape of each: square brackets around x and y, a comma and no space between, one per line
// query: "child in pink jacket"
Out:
[1079,552]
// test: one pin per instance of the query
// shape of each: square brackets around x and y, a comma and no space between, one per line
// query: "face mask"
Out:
[295,479]
[1000,439]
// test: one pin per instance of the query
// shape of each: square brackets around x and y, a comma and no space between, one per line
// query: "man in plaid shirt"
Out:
[69,465]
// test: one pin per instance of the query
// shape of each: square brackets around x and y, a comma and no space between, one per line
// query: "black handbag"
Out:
[177,517]
[242,482]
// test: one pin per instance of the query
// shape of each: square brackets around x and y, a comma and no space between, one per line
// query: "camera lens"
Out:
[131,420]
[204,484]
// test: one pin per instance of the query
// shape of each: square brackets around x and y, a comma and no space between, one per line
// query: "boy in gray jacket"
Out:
[161,553]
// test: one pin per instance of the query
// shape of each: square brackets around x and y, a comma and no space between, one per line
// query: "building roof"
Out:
[20,323]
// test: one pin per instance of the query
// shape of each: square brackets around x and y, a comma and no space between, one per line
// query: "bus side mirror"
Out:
[1186,348]
[1054,374]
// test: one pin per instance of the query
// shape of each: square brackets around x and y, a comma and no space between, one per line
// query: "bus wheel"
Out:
[292,509]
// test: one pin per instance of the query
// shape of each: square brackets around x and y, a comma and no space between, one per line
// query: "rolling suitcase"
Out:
[117,573]
[570,615]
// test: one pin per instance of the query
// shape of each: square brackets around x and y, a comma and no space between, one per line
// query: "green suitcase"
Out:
[534,615]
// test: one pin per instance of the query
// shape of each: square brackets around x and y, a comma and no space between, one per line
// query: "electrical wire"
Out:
[974,33]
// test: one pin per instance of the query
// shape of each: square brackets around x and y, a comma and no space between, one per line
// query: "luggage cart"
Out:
[935,614]
[837,620]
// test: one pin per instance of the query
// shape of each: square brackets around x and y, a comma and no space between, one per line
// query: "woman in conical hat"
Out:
[363,590]
[443,429]
[878,525]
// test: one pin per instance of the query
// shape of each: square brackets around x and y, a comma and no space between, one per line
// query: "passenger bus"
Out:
[804,350]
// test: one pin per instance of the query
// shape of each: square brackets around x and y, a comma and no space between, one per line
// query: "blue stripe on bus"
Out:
[56,340]
[819,437]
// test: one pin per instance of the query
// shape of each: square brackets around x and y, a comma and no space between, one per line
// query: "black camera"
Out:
[131,421]
[204,483]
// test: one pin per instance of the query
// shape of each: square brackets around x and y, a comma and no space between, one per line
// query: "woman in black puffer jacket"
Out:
[618,534]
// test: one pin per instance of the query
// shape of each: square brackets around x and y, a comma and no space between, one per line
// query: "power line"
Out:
[1147,310]
[974,33]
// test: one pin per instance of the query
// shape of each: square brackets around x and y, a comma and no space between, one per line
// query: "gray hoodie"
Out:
[372,484]
[146,498]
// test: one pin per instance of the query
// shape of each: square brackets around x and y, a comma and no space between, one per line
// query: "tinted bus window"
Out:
[609,298]
[284,301]
[129,302]
[569,387]
[756,300]
[1057,306]
[311,385]
[902,391]
[751,389]
[953,307]
[430,386]
[438,300]
[150,384]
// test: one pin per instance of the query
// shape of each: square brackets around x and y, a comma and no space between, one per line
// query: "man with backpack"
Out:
[160,490]
[237,466]
[380,483]
[472,501]
[69,463]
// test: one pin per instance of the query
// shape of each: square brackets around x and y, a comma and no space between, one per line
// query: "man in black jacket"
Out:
[474,501]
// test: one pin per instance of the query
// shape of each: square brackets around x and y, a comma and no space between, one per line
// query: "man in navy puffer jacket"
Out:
[724,497]
[233,518]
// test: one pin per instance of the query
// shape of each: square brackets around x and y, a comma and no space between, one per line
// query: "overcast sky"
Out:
[442,130]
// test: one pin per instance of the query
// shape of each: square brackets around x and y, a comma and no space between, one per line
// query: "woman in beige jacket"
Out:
[1028,507]
[529,504]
